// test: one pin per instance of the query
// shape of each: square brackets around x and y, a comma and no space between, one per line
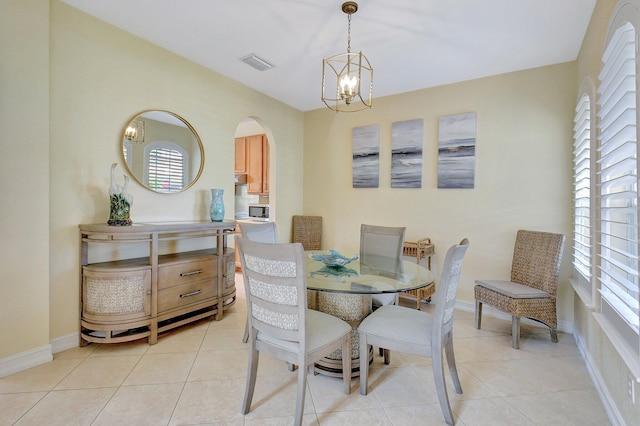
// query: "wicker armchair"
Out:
[531,293]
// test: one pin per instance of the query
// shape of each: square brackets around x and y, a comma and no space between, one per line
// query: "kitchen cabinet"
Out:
[255,150]
[132,297]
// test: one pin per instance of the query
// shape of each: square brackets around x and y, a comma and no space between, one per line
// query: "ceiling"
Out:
[412,44]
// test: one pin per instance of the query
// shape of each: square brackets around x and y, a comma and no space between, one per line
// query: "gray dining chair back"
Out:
[264,232]
[420,333]
[279,322]
[381,247]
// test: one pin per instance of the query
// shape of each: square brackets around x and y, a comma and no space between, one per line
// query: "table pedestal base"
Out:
[352,308]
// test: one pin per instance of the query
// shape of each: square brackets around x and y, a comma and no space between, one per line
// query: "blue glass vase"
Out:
[216,209]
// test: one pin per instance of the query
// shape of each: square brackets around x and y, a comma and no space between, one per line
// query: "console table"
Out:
[130,297]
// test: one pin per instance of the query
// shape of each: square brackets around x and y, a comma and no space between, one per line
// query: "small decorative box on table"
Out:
[129,297]
[421,249]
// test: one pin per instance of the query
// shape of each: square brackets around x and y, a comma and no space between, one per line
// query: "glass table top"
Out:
[378,275]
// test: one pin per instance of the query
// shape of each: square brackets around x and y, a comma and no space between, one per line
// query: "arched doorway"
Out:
[254,174]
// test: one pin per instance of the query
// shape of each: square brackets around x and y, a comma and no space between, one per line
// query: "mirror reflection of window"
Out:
[166,166]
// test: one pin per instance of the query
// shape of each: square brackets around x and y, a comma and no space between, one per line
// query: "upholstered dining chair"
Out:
[280,323]
[531,292]
[382,244]
[264,232]
[420,333]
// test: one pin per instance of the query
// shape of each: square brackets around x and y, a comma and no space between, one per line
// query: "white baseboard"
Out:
[63,343]
[489,311]
[16,363]
[605,397]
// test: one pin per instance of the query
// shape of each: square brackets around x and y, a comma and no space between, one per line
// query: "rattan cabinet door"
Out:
[116,296]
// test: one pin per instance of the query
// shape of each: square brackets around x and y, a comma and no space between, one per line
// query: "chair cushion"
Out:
[513,290]
[400,324]
[383,299]
[322,330]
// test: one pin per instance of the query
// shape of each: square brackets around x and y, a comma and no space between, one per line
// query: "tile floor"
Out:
[196,376]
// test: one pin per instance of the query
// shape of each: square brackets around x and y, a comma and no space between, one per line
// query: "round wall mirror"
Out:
[162,151]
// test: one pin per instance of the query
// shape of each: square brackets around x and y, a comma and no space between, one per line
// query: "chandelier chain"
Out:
[349,34]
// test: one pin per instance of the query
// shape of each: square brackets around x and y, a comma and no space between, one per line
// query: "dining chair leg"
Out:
[387,356]
[441,387]
[302,384]
[245,336]
[251,378]
[346,365]
[554,335]
[515,331]
[478,314]
[451,362]
[364,364]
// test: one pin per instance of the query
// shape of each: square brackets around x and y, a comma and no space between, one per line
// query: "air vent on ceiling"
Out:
[257,62]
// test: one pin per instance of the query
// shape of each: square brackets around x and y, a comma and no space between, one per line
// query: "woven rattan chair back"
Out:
[308,231]
[536,260]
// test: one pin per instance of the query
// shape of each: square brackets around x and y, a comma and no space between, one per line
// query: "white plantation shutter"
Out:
[166,167]
[618,184]
[582,190]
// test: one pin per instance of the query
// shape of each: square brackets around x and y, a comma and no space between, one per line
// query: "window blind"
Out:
[582,188]
[166,170]
[618,181]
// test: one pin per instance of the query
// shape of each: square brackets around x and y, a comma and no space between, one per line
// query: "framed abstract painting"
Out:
[366,156]
[457,151]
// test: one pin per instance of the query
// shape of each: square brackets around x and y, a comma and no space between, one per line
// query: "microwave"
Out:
[259,212]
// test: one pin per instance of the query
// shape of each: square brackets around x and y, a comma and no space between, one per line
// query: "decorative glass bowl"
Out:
[333,259]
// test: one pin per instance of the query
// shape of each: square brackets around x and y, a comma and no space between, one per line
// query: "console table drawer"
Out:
[186,272]
[182,295]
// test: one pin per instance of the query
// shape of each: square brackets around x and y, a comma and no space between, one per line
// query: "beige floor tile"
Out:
[209,401]
[506,378]
[392,386]
[161,368]
[490,412]
[68,407]
[328,395]
[212,365]
[579,408]
[275,396]
[307,420]
[375,416]
[558,373]
[138,347]
[41,378]
[99,372]
[141,405]
[218,339]
[79,352]
[418,415]
[14,405]
[230,320]
[180,341]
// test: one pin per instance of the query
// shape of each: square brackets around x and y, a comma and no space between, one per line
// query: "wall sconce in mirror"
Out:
[170,160]
[135,132]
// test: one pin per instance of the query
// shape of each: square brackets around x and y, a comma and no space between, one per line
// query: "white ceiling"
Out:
[412,44]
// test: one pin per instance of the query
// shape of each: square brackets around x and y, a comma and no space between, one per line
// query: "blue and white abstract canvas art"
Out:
[457,151]
[366,156]
[406,154]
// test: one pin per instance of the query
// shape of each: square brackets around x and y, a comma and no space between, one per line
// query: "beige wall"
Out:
[609,367]
[523,171]
[24,172]
[56,172]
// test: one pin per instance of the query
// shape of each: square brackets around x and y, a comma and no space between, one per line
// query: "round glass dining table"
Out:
[345,292]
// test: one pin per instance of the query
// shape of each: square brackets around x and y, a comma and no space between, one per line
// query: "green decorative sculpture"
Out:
[120,201]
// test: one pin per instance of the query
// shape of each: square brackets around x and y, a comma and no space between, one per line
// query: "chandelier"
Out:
[347,78]
[134,132]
